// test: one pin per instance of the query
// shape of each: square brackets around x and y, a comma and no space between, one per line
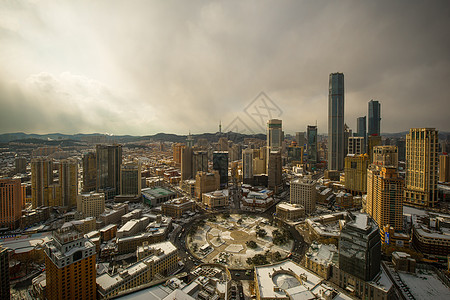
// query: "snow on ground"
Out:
[234,248]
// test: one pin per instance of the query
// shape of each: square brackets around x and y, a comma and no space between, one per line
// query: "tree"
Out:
[261,232]
[251,244]
[240,221]
[226,215]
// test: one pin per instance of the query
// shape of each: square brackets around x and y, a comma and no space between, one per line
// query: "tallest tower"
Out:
[336,145]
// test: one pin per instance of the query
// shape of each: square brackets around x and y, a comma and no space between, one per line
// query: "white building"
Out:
[303,192]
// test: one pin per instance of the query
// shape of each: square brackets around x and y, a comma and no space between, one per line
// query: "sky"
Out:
[143,67]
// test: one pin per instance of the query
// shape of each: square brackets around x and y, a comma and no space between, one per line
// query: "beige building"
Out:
[68,180]
[421,167]
[130,179]
[444,168]
[41,179]
[92,204]
[289,212]
[206,182]
[384,197]
[215,199]
[356,145]
[385,156]
[356,173]
[175,208]
[303,192]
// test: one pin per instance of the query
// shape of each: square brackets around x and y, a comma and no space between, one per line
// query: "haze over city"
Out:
[142,67]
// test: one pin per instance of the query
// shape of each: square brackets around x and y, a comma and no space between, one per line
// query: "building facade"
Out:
[374,118]
[421,167]
[68,180]
[11,202]
[361,130]
[356,173]
[4,274]
[91,204]
[220,164]
[130,179]
[444,168]
[41,180]
[356,145]
[274,135]
[109,161]
[89,162]
[303,192]
[312,144]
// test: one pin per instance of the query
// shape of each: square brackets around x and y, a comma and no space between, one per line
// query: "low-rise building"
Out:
[109,232]
[215,199]
[320,258]
[175,208]
[154,196]
[257,200]
[289,212]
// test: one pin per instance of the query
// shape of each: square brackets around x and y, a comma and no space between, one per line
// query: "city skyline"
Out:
[80,67]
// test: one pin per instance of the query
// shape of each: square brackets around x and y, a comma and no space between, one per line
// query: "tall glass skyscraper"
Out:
[374,117]
[109,161]
[312,144]
[336,143]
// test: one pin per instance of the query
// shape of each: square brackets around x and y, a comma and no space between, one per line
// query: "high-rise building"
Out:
[130,179]
[274,171]
[303,192]
[300,139]
[356,173]
[109,160]
[444,168]
[247,166]
[41,179]
[223,144]
[373,141]
[11,201]
[347,134]
[68,180]
[312,144]
[20,164]
[385,197]
[199,162]
[176,148]
[356,145]
[361,130]
[274,135]
[401,145]
[386,156]
[421,167]
[186,163]
[220,163]
[4,274]
[374,118]
[91,204]
[70,265]
[360,248]
[89,172]
[206,182]
[336,143]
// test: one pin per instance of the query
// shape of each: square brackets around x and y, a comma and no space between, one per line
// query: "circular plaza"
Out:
[239,241]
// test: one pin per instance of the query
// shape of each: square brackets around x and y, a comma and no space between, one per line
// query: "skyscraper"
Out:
[11,199]
[220,163]
[300,138]
[109,160]
[274,171]
[89,172]
[41,180]
[70,265]
[274,135]
[199,162]
[361,130]
[336,144]
[356,145]
[312,144]
[186,163]
[421,167]
[68,180]
[303,192]
[374,118]
[130,179]
[247,166]
[360,248]
[444,168]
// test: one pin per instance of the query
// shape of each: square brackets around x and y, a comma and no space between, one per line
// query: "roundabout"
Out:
[239,241]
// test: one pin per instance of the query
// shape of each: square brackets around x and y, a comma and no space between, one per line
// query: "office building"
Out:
[109,160]
[360,248]
[176,148]
[4,274]
[336,143]
[70,265]
[401,146]
[444,168]
[347,134]
[356,145]
[130,179]
[215,199]
[274,171]
[175,208]
[312,144]
[206,182]
[186,163]
[41,179]
[89,162]
[386,156]
[384,201]
[300,139]
[11,201]
[374,118]
[361,130]
[68,180]
[421,167]
[274,135]
[20,164]
[373,141]
[199,162]
[247,166]
[91,204]
[303,192]
[356,173]
[220,163]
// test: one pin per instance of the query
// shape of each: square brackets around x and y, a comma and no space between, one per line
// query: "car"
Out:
[237,274]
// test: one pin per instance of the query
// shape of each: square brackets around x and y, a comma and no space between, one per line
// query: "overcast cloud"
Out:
[142,67]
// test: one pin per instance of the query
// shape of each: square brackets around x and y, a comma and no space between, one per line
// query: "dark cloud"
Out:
[140,67]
